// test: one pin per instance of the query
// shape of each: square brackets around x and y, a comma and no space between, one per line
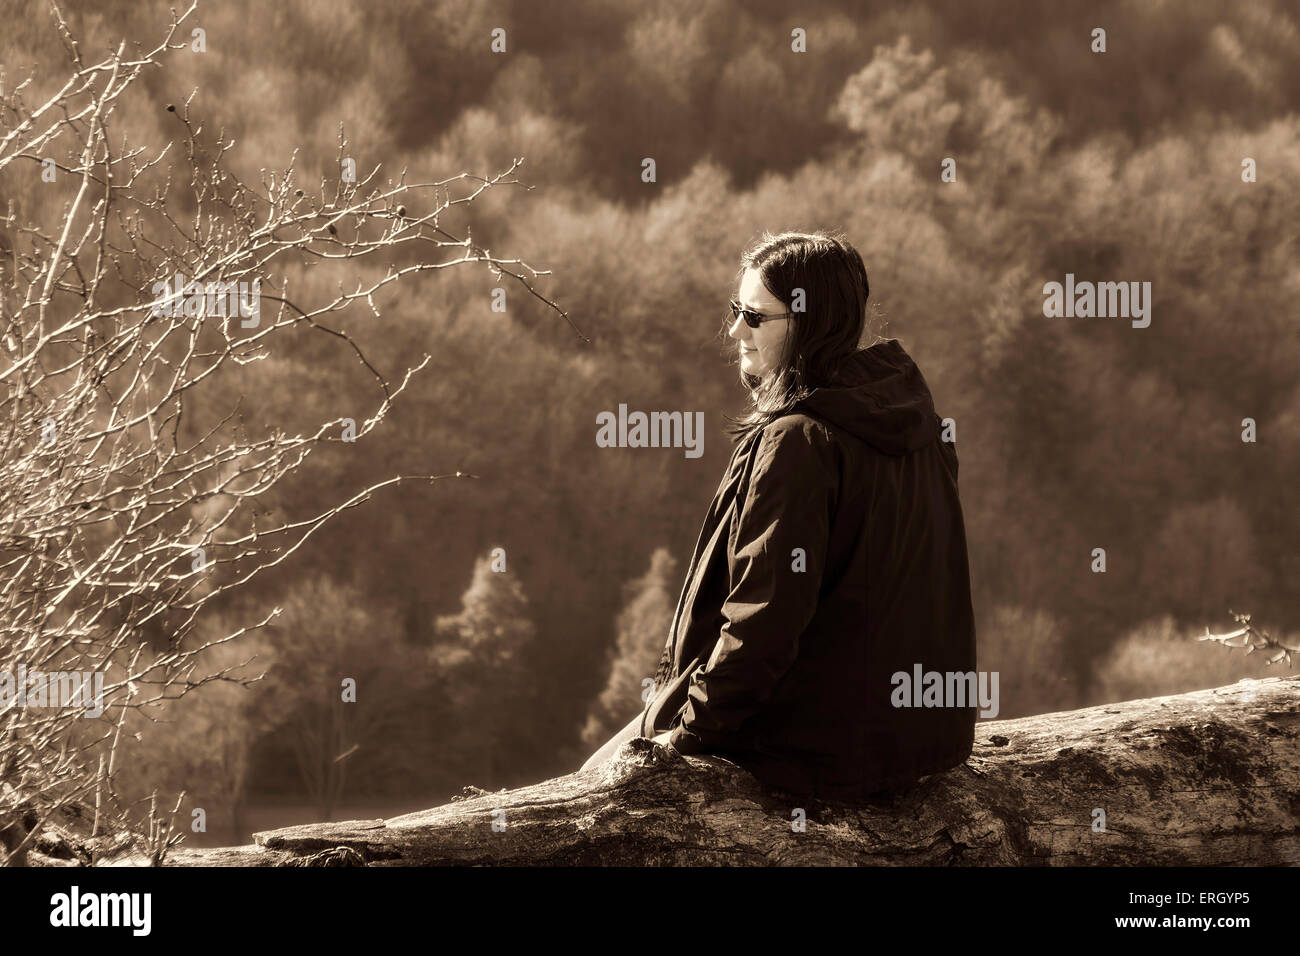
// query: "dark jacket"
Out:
[785,664]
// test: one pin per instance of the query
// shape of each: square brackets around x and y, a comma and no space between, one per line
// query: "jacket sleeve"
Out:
[773,595]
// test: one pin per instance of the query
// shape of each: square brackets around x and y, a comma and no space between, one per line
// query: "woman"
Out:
[832,559]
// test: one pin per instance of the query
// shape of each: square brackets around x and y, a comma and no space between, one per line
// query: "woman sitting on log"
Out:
[832,558]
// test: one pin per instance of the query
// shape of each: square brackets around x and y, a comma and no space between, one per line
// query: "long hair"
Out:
[825,274]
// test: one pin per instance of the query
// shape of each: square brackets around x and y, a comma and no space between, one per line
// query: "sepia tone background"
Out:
[1073,434]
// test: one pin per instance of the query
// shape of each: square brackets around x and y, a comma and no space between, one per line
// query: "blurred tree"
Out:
[1202,561]
[327,637]
[1026,647]
[477,653]
[643,626]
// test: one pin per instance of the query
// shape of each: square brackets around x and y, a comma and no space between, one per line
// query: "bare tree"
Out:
[122,513]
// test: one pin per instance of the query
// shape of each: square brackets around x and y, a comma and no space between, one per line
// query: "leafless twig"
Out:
[1252,639]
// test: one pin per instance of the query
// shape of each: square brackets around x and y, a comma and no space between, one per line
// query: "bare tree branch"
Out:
[122,515]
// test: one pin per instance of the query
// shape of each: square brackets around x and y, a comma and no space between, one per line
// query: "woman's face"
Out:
[760,348]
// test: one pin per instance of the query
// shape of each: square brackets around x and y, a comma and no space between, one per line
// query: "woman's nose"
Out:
[738,330]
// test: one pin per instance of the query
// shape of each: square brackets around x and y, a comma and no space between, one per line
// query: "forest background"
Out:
[1073,434]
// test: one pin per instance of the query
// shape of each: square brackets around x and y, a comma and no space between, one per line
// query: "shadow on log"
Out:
[1206,778]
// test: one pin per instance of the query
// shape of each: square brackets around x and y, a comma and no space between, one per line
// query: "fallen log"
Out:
[1205,778]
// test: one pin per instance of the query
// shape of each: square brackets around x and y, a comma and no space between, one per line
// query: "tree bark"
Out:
[1206,778]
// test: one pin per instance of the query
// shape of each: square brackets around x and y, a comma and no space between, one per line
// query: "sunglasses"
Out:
[753,319]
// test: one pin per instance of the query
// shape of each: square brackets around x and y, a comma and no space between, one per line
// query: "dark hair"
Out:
[827,330]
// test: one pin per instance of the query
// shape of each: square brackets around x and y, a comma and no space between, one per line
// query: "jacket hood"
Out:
[885,400]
